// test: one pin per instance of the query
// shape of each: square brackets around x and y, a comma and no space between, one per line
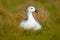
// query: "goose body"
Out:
[30,22]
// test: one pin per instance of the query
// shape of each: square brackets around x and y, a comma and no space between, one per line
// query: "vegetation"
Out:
[13,11]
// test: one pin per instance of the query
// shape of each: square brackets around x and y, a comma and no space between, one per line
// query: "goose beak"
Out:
[36,11]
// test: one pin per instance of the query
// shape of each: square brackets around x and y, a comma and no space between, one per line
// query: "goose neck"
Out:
[30,16]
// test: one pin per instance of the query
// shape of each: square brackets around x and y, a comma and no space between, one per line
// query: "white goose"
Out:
[30,22]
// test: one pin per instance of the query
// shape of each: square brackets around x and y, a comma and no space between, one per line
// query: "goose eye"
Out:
[31,8]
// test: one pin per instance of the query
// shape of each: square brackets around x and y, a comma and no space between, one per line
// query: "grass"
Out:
[12,11]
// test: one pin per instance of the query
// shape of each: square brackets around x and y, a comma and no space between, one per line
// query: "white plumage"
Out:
[30,23]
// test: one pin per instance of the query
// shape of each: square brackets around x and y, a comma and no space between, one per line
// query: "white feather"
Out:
[30,23]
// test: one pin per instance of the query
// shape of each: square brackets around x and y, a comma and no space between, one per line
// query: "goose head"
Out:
[31,9]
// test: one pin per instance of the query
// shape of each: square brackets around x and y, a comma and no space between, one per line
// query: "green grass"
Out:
[9,29]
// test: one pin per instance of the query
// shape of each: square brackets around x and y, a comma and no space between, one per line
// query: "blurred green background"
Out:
[9,29]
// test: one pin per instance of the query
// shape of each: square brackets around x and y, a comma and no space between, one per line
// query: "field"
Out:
[13,11]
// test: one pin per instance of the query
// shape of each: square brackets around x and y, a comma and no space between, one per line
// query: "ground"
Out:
[13,11]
